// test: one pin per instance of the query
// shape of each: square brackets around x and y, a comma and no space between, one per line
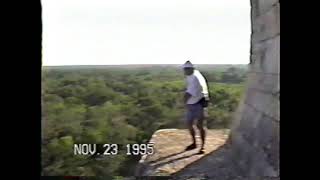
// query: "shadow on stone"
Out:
[174,160]
[170,155]
[215,164]
[166,157]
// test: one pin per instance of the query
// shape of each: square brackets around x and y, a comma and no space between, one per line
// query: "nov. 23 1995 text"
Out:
[113,149]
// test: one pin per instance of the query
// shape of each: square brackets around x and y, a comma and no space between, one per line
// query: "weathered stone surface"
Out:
[265,131]
[256,147]
[250,120]
[169,155]
[252,161]
[237,116]
[217,165]
[266,26]
[256,51]
[266,5]
[267,104]
[251,95]
[266,56]
[260,7]
[254,9]
[267,86]
[268,139]
[268,83]
[271,61]
[273,109]
[240,153]
[259,165]
[255,140]
[264,103]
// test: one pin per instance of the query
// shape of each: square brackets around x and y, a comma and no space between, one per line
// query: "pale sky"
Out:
[102,32]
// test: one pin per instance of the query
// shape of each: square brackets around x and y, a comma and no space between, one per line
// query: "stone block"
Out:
[254,8]
[248,124]
[252,79]
[251,161]
[263,94]
[267,25]
[259,100]
[251,96]
[241,154]
[267,138]
[265,5]
[248,114]
[266,57]
[259,166]
[259,7]
[273,110]
[271,59]
[268,83]
[255,55]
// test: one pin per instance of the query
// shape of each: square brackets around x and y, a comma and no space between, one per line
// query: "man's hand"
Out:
[186,97]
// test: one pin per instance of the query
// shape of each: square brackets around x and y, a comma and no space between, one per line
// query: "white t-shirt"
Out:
[194,88]
[203,83]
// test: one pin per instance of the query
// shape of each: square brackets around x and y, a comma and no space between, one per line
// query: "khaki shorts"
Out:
[194,112]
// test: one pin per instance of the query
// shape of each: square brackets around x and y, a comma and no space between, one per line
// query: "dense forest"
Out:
[122,105]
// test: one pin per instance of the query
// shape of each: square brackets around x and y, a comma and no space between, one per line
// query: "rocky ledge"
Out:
[170,158]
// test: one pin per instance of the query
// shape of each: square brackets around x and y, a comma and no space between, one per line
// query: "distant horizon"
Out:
[89,32]
[139,64]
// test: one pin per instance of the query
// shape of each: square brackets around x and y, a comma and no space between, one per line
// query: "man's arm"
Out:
[186,97]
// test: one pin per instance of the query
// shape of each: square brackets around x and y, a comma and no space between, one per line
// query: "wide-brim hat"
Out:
[187,64]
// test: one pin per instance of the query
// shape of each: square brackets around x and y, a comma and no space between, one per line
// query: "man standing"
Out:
[195,98]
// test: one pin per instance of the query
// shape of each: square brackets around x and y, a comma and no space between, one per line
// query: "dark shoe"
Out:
[190,147]
[201,151]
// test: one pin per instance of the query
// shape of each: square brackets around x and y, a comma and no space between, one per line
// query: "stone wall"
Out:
[255,133]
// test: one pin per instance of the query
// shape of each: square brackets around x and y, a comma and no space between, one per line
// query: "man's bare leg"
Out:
[192,133]
[202,133]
